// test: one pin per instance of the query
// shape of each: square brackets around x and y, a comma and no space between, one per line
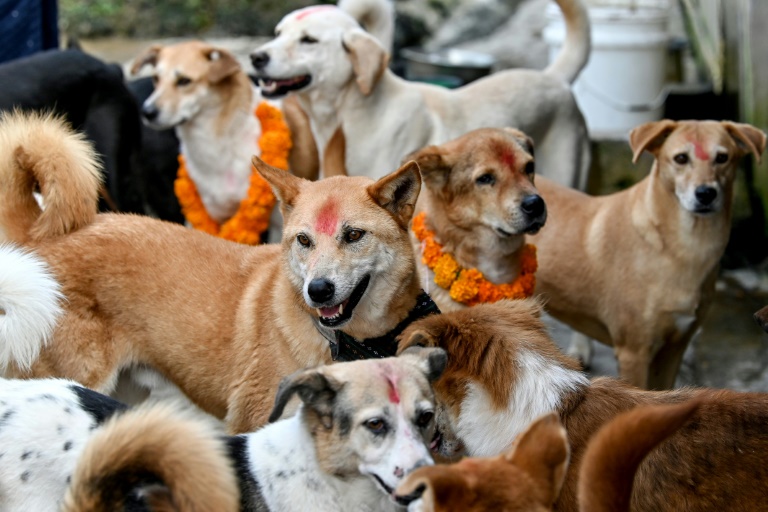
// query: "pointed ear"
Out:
[148,58]
[285,185]
[434,166]
[437,486]
[431,361]
[542,451]
[748,138]
[369,58]
[397,192]
[649,137]
[316,390]
[223,64]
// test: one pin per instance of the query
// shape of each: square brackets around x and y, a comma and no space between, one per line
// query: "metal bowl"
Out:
[466,65]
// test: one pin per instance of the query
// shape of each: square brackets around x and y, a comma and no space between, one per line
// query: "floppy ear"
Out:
[748,138]
[317,391]
[148,58]
[542,451]
[285,185]
[397,192]
[369,58]
[223,64]
[649,137]
[431,361]
[433,165]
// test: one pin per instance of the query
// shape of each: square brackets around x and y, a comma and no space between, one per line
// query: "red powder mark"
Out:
[313,10]
[699,151]
[505,154]
[394,397]
[328,218]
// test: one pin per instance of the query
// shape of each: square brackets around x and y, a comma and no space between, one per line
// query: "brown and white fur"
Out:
[222,321]
[504,371]
[481,201]
[636,269]
[339,74]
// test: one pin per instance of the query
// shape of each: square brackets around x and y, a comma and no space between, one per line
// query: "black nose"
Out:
[321,290]
[259,59]
[706,195]
[150,112]
[533,205]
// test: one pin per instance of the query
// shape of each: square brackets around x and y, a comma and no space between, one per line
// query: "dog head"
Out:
[528,478]
[372,417]
[697,159]
[319,47]
[503,372]
[346,246]
[189,77]
[484,181]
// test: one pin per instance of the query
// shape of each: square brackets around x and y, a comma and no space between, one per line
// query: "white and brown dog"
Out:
[339,74]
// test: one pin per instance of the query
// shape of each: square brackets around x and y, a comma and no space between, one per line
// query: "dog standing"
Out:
[339,74]
[636,269]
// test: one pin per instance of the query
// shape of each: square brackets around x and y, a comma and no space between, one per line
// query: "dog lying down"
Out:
[504,371]
[363,426]
[530,475]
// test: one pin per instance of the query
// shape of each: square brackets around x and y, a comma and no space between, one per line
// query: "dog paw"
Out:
[581,350]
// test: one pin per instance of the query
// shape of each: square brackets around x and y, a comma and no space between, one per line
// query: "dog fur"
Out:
[761,317]
[144,292]
[504,371]
[481,201]
[339,74]
[636,269]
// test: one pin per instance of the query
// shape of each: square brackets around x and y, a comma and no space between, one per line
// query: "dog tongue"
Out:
[329,312]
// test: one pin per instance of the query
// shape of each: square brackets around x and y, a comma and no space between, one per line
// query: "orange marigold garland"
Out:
[467,285]
[252,216]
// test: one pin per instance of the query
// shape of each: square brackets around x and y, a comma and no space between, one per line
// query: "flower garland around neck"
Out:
[252,216]
[467,285]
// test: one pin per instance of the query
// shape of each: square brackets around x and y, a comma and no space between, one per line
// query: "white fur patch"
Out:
[29,306]
[539,389]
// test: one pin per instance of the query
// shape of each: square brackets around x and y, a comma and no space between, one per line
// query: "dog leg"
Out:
[665,365]
[581,349]
[634,364]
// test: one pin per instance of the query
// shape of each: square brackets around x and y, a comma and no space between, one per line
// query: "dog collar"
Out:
[346,348]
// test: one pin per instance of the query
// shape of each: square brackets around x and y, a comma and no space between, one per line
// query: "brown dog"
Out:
[761,317]
[504,371]
[222,321]
[636,269]
[480,201]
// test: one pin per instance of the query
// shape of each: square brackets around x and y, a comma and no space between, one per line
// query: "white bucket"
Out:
[622,86]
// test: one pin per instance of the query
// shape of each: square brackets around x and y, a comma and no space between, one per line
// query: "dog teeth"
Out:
[341,309]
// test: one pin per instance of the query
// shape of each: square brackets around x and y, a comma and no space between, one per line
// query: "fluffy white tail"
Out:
[574,53]
[29,306]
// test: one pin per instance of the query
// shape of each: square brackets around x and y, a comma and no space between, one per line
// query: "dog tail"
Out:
[174,462]
[41,150]
[574,53]
[613,455]
[29,306]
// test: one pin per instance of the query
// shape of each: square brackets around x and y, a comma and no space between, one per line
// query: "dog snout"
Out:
[321,290]
[705,195]
[150,111]
[533,206]
[259,59]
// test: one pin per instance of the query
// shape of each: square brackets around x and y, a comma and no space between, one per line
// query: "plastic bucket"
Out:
[622,86]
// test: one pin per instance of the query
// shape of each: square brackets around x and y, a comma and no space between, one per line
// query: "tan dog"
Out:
[480,201]
[339,73]
[504,371]
[222,321]
[761,317]
[636,269]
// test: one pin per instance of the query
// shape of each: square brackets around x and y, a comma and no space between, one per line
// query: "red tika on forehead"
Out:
[312,10]
[505,154]
[328,218]
[394,397]
[699,151]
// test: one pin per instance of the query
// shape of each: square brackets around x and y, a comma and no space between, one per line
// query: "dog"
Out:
[636,269]
[339,74]
[480,201]
[362,426]
[761,317]
[504,371]
[142,292]
[530,475]
[61,451]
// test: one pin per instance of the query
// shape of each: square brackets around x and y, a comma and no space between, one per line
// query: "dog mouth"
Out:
[407,499]
[335,316]
[437,442]
[704,210]
[400,500]
[273,87]
[533,227]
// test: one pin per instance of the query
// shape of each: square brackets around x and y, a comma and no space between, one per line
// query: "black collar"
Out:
[346,348]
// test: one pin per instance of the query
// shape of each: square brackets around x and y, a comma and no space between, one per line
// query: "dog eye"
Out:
[353,235]
[308,40]
[530,168]
[424,418]
[681,158]
[376,425]
[721,158]
[182,81]
[303,239]
[486,179]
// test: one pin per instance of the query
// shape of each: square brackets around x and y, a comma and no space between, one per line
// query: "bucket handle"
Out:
[656,103]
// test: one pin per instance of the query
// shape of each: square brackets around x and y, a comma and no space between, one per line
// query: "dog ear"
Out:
[748,138]
[649,137]
[438,487]
[397,192]
[433,165]
[524,140]
[223,64]
[316,390]
[431,361]
[542,451]
[285,185]
[148,58]
[369,58]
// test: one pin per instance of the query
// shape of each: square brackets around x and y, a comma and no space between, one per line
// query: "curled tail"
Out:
[179,464]
[574,53]
[613,455]
[29,306]
[41,150]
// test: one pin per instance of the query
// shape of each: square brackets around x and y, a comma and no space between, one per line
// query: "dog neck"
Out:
[321,106]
